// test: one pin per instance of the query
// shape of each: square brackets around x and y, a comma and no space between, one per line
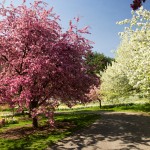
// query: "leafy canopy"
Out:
[98,62]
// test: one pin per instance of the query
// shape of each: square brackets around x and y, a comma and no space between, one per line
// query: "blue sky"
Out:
[100,15]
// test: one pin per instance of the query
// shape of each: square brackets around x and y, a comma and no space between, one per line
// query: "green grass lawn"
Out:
[130,107]
[22,136]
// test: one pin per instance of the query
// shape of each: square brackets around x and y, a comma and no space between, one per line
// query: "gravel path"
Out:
[114,131]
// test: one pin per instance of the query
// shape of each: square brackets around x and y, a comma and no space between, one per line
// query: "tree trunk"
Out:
[29,114]
[100,103]
[35,122]
[34,105]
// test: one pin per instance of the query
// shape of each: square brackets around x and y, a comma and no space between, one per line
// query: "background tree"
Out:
[98,62]
[115,83]
[41,65]
[130,73]
[134,51]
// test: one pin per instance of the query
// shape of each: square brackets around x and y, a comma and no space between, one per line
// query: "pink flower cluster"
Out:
[136,4]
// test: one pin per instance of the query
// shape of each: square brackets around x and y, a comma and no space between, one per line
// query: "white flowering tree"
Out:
[134,51]
[131,70]
[114,82]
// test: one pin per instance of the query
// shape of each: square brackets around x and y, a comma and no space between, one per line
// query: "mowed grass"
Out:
[114,107]
[68,121]
[129,107]
[22,136]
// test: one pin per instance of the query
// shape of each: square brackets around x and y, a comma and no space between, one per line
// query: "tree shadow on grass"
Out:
[30,138]
[39,138]
[115,131]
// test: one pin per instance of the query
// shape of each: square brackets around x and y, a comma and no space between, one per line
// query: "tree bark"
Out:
[34,105]
[100,103]
[35,122]
[29,114]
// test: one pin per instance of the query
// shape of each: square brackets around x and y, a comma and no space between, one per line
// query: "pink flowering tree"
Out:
[137,4]
[95,95]
[40,65]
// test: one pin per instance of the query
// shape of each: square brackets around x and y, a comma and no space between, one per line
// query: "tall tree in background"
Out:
[98,62]
[41,65]
[115,83]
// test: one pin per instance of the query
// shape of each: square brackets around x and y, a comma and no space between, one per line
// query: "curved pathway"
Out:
[113,131]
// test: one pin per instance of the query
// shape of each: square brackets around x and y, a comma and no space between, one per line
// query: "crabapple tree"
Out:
[129,74]
[41,65]
[114,82]
[134,51]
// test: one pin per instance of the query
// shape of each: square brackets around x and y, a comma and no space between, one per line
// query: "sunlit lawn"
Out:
[22,136]
[129,107]
[114,107]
